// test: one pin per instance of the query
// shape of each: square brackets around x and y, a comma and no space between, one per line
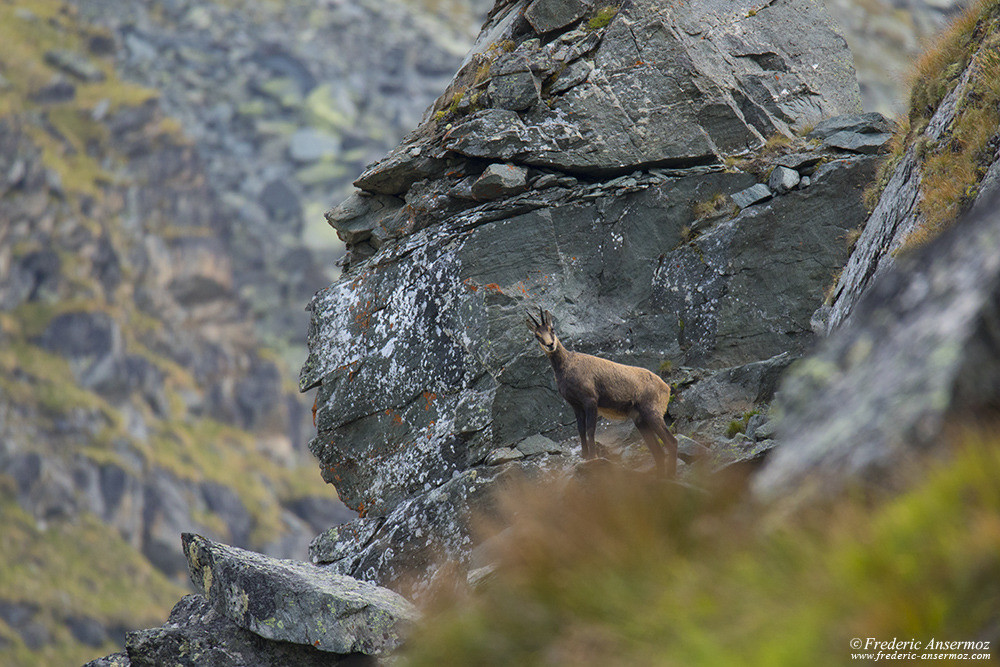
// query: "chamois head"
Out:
[543,331]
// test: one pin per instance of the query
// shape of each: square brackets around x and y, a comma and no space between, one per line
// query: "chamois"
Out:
[594,386]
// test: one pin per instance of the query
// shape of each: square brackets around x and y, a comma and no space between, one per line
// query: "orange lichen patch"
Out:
[493,287]
[315,400]
[469,285]
[523,289]
[396,418]
[429,397]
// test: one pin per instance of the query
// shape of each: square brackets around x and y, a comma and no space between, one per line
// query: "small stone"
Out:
[500,180]
[59,90]
[545,181]
[752,195]
[572,76]
[783,179]
[548,15]
[765,431]
[538,444]
[503,455]
[74,64]
[804,182]
[515,91]
[690,450]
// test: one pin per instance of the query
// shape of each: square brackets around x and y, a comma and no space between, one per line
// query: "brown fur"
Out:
[594,386]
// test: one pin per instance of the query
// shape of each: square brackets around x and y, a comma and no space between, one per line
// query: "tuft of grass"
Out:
[602,18]
[621,569]
[717,205]
[737,426]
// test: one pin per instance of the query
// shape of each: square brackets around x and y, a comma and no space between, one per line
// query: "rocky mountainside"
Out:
[286,102]
[142,393]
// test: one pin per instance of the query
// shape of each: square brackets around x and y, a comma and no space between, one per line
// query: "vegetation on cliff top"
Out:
[953,166]
[627,571]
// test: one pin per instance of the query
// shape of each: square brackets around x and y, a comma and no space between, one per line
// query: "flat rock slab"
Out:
[297,602]
[755,193]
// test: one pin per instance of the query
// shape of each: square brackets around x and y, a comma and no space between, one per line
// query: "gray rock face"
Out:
[921,349]
[297,602]
[431,331]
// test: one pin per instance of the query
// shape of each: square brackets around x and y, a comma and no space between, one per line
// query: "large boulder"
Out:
[297,602]
[422,360]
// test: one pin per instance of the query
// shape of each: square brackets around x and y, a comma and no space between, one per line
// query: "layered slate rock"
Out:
[898,212]
[673,85]
[921,350]
[297,602]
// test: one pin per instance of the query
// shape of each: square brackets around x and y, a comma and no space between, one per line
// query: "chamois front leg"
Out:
[653,445]
[581,426]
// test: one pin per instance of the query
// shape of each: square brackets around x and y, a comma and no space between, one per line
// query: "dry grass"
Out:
[953,166]
[717,205]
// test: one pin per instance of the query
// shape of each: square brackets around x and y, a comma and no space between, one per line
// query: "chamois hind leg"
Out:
[649,435]
[659,425]
[581,426]
[590,411]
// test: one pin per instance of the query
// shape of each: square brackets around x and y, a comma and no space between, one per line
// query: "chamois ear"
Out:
[547,319]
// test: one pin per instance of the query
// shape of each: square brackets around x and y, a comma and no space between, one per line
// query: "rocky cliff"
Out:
[596,166]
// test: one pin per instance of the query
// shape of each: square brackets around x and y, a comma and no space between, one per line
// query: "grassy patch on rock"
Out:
[623,570]
[966,58]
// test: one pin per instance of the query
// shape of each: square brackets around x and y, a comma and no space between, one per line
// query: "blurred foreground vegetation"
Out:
[623,570]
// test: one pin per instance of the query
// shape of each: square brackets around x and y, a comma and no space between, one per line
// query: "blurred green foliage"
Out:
[621,570]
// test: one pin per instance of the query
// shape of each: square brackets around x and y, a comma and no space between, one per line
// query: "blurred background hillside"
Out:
[164,169]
